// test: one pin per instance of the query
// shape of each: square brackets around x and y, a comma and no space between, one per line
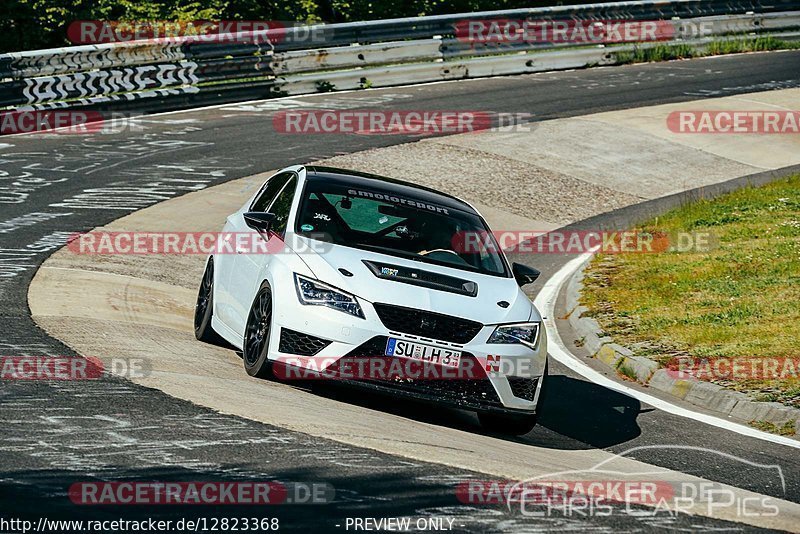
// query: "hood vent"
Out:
[420,278]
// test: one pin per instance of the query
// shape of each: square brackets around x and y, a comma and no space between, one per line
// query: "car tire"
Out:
[255,346]
[204,308]
[516,425]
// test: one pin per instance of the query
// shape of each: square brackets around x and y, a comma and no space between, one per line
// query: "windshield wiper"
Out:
[387,250]
[420,258]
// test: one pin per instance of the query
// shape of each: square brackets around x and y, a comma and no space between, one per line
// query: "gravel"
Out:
[482,177]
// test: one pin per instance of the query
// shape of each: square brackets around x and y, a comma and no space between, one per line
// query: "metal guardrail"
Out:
[162,74]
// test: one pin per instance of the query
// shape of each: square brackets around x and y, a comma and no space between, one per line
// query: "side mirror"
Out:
[523,274]
[258,220]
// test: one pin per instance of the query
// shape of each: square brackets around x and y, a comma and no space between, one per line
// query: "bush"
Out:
[36,24]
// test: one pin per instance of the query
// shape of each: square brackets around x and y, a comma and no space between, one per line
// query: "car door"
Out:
[226,308]
[248,263]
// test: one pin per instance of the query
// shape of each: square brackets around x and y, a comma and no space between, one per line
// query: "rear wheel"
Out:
[257,334]
[204,308]
[517,424]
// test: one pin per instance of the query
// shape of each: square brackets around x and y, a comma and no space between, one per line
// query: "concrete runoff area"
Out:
[141,306]
[590,164]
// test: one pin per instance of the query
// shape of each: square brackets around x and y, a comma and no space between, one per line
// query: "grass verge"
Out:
[787,429]
[666,52]
[739,301]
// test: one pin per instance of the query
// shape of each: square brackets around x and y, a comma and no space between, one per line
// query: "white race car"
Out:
[325,269]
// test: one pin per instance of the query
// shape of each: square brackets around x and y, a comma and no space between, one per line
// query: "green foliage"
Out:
[787,429]
[758,44]
[36,24]
[666,52]
[737,298]
[626,371]
[33,24]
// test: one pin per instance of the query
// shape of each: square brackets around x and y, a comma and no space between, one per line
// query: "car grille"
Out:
[467,392]
[301,344]
[524,388]
[427,324]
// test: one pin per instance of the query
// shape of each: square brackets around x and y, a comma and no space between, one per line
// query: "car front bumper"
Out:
[500,377]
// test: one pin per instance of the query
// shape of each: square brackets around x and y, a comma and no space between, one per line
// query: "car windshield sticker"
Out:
[307,227]
[322,217]
[398,200]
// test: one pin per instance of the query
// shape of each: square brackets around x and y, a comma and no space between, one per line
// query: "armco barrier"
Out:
[161,74]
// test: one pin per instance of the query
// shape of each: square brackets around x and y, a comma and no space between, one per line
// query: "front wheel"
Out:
[257,334]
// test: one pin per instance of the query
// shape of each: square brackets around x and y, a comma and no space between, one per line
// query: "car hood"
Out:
[483,307]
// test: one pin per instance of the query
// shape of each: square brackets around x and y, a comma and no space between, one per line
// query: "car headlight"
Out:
[315,293]
[525,333]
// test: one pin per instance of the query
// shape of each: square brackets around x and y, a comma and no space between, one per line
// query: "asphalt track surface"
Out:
[57,433]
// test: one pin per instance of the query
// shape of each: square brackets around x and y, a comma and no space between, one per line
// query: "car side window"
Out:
[282,206]
[270,191]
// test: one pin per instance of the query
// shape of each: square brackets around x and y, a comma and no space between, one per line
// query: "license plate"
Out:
[424,353]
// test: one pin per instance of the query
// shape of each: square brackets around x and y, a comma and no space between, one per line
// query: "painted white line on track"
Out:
[546,300]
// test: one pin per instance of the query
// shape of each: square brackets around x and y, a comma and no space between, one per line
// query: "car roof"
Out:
[350,178]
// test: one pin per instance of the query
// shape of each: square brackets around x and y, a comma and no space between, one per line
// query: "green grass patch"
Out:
[667,52]
[740,299]
[626,371]
[786,429]
[658,53]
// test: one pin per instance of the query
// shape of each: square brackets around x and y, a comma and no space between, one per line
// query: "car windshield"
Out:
[384,222]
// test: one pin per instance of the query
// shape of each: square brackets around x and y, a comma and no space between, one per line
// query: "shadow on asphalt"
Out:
[576,414]
[590,414]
